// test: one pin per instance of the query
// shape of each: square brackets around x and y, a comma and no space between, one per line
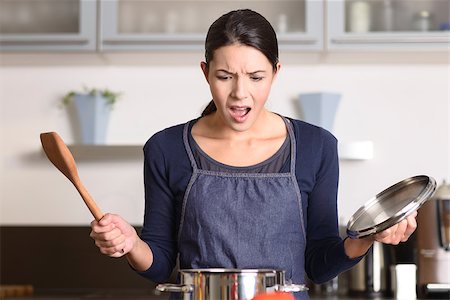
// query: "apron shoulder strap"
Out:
[187,146]
[290,129]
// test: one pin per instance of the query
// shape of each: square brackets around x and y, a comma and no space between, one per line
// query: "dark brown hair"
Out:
[245,27]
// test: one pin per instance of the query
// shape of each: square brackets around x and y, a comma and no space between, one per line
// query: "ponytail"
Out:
[210,108]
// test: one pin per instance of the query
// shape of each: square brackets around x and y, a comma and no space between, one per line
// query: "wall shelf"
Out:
[358,150]
[350,151]
[106,152]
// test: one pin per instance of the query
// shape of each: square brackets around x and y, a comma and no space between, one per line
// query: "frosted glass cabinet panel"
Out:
[388,24]
[47,25]
[137,24]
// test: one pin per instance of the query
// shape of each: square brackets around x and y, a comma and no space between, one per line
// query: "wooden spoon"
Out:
[58,153]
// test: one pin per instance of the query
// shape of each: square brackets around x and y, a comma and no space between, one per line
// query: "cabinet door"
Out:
[182,25]
[388,24]
[35,25]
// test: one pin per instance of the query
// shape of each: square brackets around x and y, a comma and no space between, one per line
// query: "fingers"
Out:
[399,232]
[115,250]
[392,235]
[105,238]
[104,224]
[411,227]
[108,237]
[112,247]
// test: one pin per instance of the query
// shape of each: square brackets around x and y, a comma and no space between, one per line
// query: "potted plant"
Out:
[90,109]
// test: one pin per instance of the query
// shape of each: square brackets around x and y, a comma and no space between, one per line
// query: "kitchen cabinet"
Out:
[27,25]
[123,25]
[182,25]
[388,25]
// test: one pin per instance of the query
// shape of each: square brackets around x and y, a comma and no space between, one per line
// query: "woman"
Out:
[240,187]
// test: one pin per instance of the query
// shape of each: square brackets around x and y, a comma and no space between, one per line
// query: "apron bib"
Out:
[243,220]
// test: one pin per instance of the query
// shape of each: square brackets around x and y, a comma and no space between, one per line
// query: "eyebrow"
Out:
[228,72]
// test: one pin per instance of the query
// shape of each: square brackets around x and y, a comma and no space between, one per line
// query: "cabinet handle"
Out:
[394,39]
[44,40]
[156,39]
[297,41]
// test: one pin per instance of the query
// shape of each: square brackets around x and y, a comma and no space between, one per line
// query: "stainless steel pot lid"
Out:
[391,206]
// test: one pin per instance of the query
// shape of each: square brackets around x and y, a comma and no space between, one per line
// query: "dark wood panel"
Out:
[61,258]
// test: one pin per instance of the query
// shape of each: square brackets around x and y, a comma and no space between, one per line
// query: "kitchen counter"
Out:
[64,294]
[135,295]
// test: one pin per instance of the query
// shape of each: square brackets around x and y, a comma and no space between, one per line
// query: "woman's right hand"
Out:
[113,235]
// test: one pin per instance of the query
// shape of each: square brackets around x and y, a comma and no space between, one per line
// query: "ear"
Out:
[275,73]
[204,70]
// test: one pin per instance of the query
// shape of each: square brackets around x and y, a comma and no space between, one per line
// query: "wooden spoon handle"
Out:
[90,203]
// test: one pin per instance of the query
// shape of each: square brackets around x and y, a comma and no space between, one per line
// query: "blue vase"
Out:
[319,108]
[93,115]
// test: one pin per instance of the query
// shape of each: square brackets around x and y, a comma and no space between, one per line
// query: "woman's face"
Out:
[240,78]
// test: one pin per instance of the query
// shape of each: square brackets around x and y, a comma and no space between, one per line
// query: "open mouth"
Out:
[239,113]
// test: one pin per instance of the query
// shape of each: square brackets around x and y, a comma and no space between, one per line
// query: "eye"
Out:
[256,78]
[223,77]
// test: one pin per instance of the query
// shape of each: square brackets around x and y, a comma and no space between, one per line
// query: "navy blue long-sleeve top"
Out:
[167,171]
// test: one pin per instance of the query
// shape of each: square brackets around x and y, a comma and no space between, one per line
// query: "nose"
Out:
[240,90]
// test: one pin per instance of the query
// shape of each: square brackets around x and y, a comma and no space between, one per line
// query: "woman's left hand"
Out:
[399,232]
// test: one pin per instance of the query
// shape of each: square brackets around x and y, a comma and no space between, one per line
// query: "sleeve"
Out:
[325,255]
[159,219]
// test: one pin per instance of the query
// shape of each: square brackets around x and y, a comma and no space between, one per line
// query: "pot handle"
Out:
[291,288]
[174,288]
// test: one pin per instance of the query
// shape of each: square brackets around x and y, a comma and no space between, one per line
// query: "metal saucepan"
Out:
[391,206]
[229,284]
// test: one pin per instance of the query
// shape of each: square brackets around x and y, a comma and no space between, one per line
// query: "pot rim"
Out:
[230,271]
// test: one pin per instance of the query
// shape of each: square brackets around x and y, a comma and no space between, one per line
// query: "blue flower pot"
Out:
[93,115]
[319,108]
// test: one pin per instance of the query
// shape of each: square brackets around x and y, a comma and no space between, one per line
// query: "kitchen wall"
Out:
[400,101]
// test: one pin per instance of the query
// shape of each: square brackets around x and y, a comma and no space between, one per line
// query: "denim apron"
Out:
[243,220]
